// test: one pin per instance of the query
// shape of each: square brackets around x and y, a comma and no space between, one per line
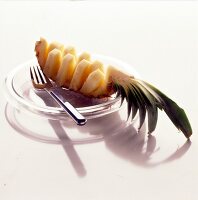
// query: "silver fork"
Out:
[41,81]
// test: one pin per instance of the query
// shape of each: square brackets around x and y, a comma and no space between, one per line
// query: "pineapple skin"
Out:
[41,49]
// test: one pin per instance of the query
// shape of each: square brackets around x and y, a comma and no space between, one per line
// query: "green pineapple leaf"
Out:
[145,99]
[176,114]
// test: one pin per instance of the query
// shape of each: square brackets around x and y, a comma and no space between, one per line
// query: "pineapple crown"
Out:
[144,98]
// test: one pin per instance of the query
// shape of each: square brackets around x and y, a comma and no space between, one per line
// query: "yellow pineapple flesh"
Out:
[70,50]
[96,65]
[101,91]
[84,56]
[55,45]
[114,74]
[53,63]
[41,49]
[66,70]
[80,74]
[93,81]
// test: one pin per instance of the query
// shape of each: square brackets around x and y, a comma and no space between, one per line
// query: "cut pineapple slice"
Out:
[41,49]
[53,63]
[92,82]
[56,45]
[85,56]
[101,90]
[65,72]
[80,75]
[70,50]
[105,88]
[96,65]
[116,73]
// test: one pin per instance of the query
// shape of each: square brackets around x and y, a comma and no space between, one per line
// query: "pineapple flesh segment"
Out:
[66,70]
[70,50]
[96,65]
[85,56]
[105,88]
[92,82]
[56,45]
[114,73]
[80,75]
[53,63]
[101,90]
[41,49]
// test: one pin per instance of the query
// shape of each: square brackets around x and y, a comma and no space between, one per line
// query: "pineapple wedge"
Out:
[85,56]
[106,88]
[90,79]
[70,50]
[92,82]
[55,45]
[53,63]
[101,91]
[80,75]
[96,65]
[66,70]
[41,49]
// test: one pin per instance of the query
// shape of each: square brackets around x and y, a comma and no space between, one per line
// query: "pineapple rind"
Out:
[41,49]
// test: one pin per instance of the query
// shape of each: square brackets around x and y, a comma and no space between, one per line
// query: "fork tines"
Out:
[37,75]
[40,81]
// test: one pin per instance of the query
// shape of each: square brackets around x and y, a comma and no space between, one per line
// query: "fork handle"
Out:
[76,116]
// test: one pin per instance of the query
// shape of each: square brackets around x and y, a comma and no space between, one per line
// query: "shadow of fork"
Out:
[66,142]
[68,148]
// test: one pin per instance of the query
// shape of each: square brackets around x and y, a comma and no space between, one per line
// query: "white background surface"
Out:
[159,39]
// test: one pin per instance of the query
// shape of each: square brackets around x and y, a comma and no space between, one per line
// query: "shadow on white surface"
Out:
[123,141]
[139,148]
[179,152]
[25,125]
[65,141]
[68,148]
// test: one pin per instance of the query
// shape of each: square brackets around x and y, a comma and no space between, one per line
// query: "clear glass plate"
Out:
[27,107]
[22,95]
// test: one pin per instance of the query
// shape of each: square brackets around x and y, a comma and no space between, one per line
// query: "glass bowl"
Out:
[21,94]
[27,107]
